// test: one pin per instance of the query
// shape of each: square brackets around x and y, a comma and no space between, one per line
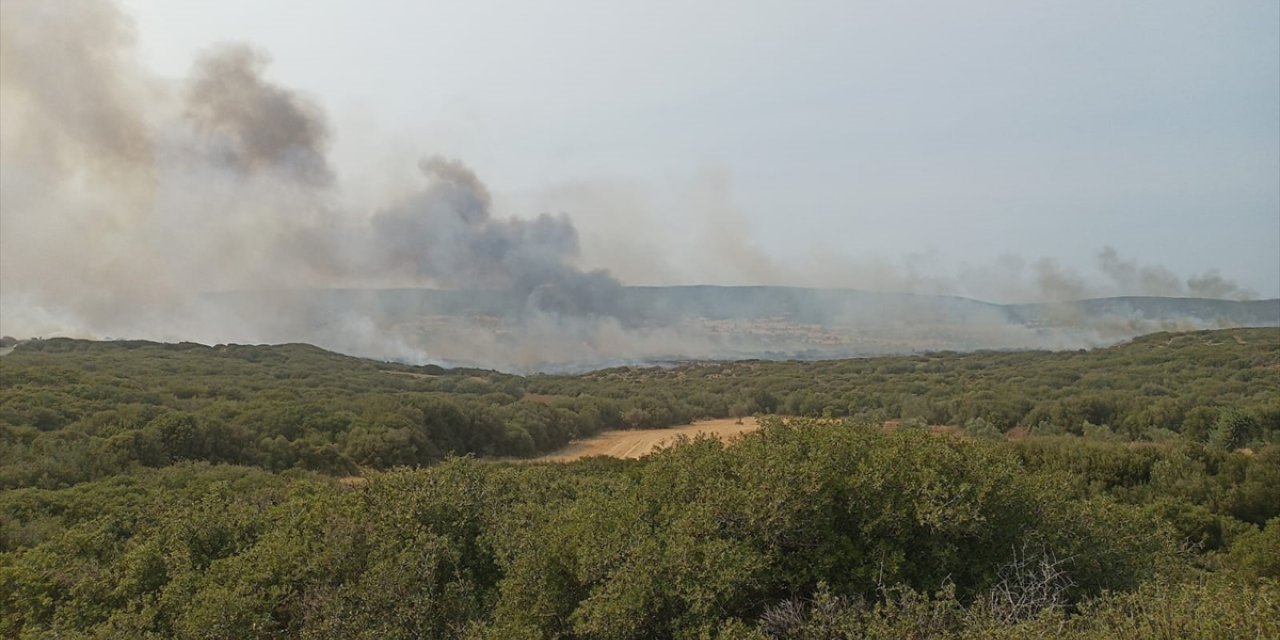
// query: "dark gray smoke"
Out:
[447,234]
[252,124]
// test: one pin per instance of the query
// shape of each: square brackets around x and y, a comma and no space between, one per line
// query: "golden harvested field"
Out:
[634,443]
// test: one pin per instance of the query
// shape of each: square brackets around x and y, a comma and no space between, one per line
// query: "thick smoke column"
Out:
[448,235]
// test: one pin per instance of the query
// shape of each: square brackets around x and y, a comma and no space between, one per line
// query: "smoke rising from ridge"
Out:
[127,199]
[447,233]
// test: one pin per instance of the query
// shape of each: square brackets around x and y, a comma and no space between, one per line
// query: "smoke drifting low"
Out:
[127,203]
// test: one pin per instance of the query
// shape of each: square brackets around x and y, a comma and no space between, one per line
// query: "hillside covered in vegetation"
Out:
[74,410]
[188,491]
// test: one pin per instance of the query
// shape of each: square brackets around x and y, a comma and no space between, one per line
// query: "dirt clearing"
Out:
[634,443]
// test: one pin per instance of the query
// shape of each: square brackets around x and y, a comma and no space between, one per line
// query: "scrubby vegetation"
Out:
[72,411]
[809,530]
[261,492]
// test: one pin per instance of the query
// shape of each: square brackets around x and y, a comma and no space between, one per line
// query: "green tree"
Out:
[1233,429]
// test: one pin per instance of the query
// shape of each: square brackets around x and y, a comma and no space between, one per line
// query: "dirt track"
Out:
[634,443]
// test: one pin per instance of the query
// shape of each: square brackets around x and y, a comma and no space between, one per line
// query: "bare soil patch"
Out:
[410,374]
[635,443]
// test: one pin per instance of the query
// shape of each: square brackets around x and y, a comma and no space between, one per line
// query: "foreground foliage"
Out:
[182,491]
[807,530]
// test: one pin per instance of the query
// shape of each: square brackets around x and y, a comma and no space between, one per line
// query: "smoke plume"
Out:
[125,195]
[447,234]
[208,209]
[1131,278]
[253,125]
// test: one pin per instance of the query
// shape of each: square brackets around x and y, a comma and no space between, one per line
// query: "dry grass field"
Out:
[634,443]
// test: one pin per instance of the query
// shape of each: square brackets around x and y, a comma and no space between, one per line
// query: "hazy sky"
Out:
[944,135]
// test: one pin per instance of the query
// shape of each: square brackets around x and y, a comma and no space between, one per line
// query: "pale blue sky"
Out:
[955,132]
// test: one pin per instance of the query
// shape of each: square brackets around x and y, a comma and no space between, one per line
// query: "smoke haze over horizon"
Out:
[127,196]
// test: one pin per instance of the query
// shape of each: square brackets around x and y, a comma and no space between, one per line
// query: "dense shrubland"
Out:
[76,410]
[814,530]
[1154,387]
[72,411]
[259,492]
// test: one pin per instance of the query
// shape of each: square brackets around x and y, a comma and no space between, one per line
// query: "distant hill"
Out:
[522,332]
[1242,313]
[799,303]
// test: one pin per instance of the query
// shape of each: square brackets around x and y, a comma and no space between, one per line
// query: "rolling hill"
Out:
[521,332]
